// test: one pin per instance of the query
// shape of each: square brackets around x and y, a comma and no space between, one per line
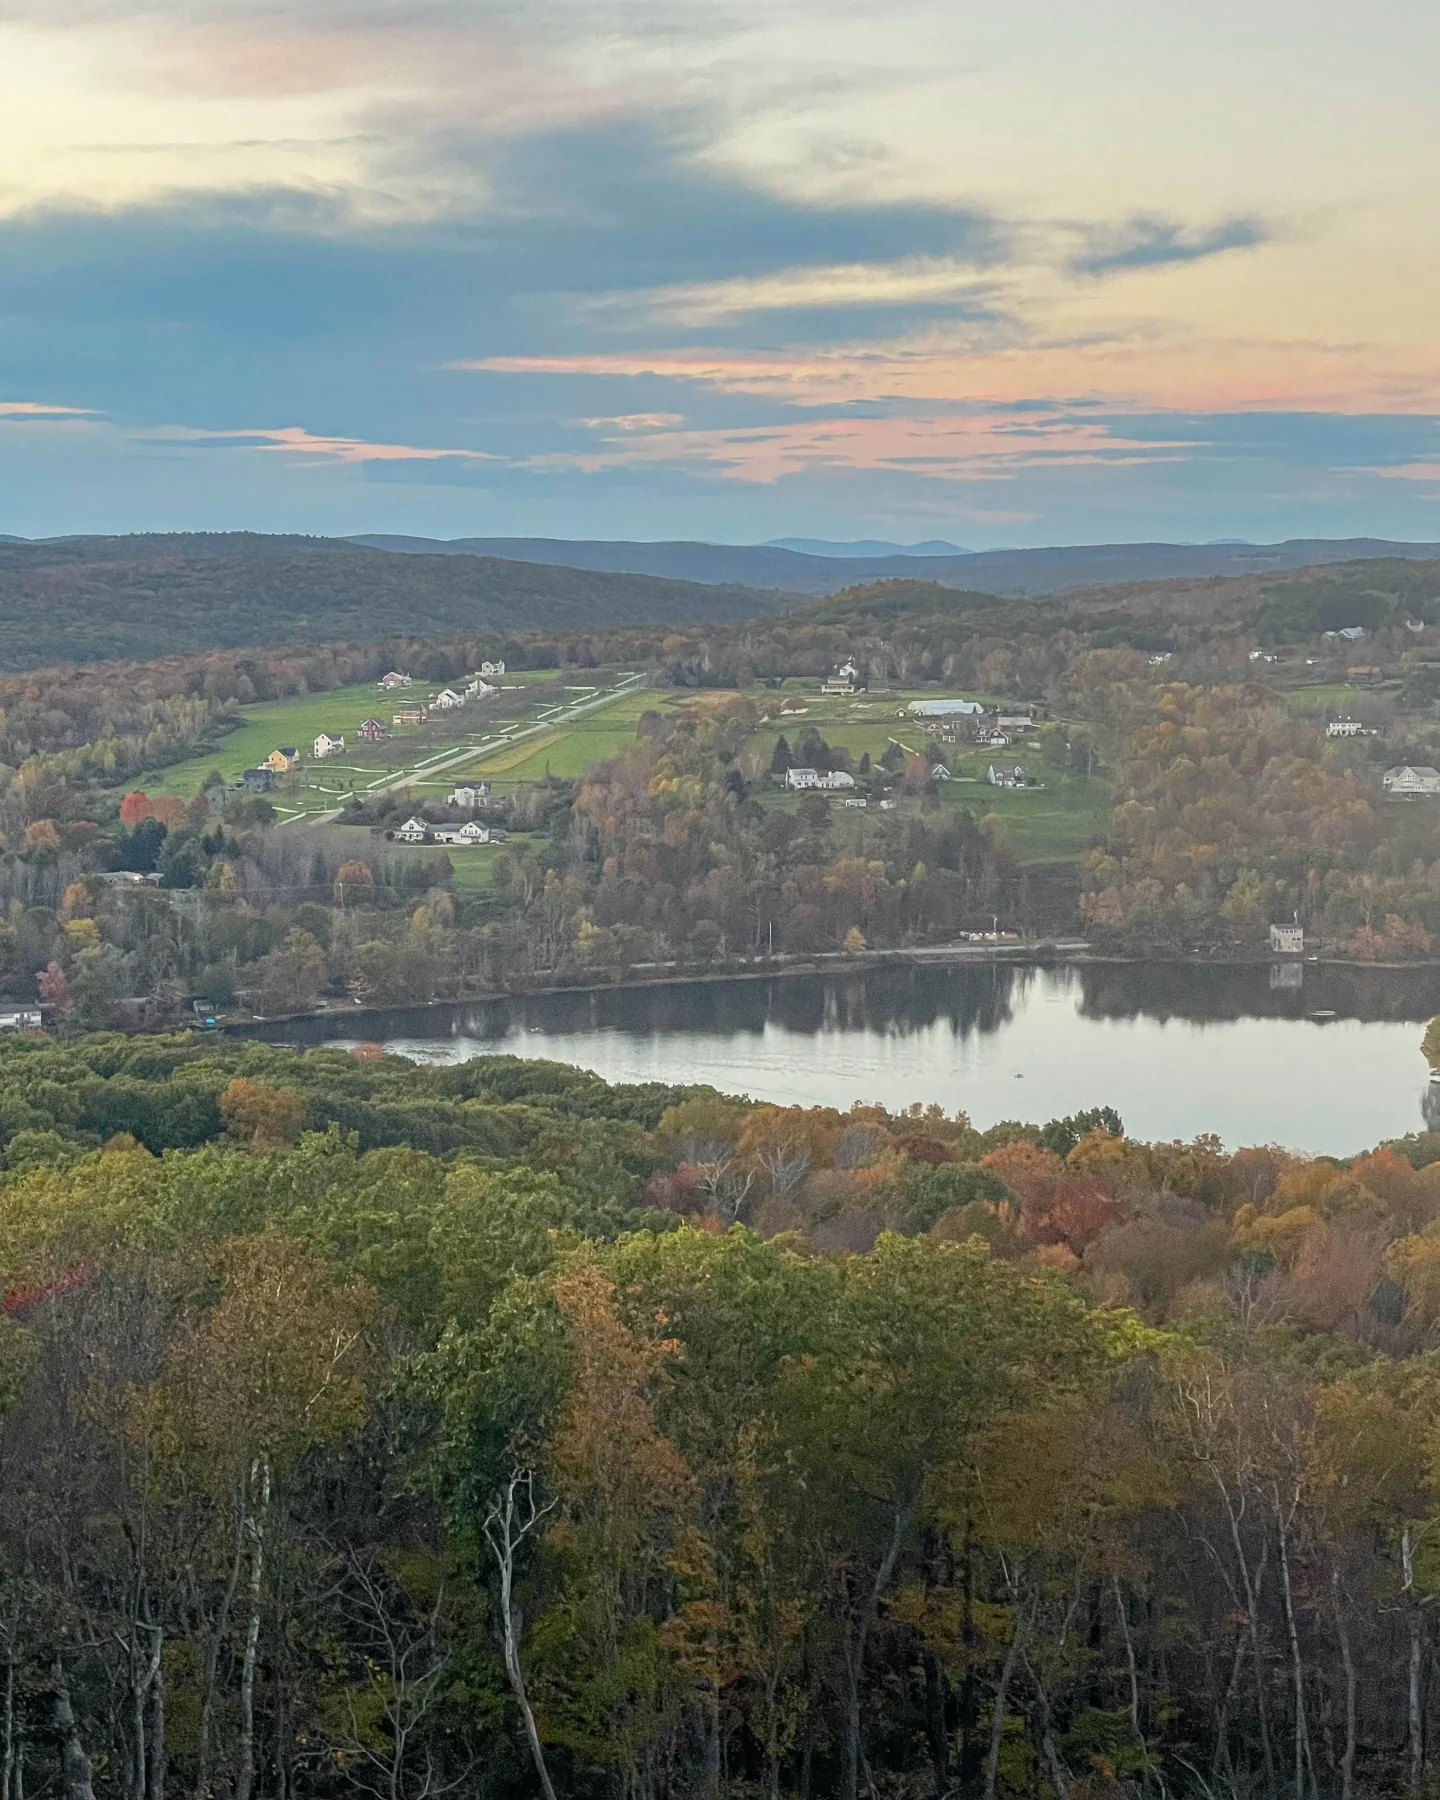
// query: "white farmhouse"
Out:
[413,831]
[1407,783]
[325,745]
[447,698]
[1344,728]
[465,836]
[826,781]
[492,671]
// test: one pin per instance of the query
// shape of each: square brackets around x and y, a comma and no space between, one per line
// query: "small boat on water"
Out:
[1321,1013]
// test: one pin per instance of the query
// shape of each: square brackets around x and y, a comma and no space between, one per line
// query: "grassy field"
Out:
[1322,695]
[571,748]
[267,727]
[1053,824]
[273,724]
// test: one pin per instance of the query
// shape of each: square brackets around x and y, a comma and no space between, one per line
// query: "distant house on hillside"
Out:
[284,760]
[372,730]
[1013,722]
[466,836]
[472,795]
[447,698]
[1006,776]
[325,745]
[1344,728]
[413,831]
[1287,940]
[843,681]
[1408,782]
[393,680]
[492,671]
[257,781]
[1351,633]
[410,715]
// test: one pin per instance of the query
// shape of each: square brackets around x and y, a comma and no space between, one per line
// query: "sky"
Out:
[1039,273]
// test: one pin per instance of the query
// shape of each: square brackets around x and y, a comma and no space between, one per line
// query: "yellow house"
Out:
[283,761]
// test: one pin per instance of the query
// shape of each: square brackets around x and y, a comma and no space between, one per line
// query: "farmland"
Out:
[541,726]
[508,727]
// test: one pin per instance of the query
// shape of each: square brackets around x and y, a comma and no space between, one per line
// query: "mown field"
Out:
[571,748]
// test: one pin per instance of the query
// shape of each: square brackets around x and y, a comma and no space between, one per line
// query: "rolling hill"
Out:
[1047,571]
[91,599]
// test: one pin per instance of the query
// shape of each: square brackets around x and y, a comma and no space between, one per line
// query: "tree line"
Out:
[378,1429]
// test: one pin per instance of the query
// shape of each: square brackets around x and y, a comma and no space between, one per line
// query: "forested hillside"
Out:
[87,599]
[1040,571]
[375,1429]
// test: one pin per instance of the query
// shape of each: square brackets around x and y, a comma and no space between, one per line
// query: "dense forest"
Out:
[387,1430]
[89,599]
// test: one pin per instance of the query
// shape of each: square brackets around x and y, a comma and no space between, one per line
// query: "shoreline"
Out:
[1047,954]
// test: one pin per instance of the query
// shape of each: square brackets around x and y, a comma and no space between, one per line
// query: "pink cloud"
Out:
[40,409]
[958,447]
[1125,367]
[298,441]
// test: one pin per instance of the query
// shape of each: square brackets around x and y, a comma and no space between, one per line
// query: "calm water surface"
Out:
[1175,1048]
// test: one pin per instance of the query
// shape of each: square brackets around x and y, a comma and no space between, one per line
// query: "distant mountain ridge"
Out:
[1046,571]
[867,547]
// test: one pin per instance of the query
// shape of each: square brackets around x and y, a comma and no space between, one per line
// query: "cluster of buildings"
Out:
[464,837]
[468,797]
[1012,776]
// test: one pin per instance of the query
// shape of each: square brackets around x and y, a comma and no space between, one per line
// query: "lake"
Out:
[1177,1049]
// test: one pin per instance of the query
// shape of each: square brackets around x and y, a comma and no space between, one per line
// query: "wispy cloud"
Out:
[40,409]
[1152,243]
[294,440]
[969,448]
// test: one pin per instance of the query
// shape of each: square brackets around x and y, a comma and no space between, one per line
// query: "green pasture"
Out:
[268,725]
[1052,824]
[570,748]
[272,724]
[1319,695]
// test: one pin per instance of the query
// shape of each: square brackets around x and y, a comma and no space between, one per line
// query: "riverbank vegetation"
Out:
[377,1429]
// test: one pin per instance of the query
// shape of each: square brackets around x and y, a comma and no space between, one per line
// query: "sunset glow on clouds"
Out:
[707,268]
